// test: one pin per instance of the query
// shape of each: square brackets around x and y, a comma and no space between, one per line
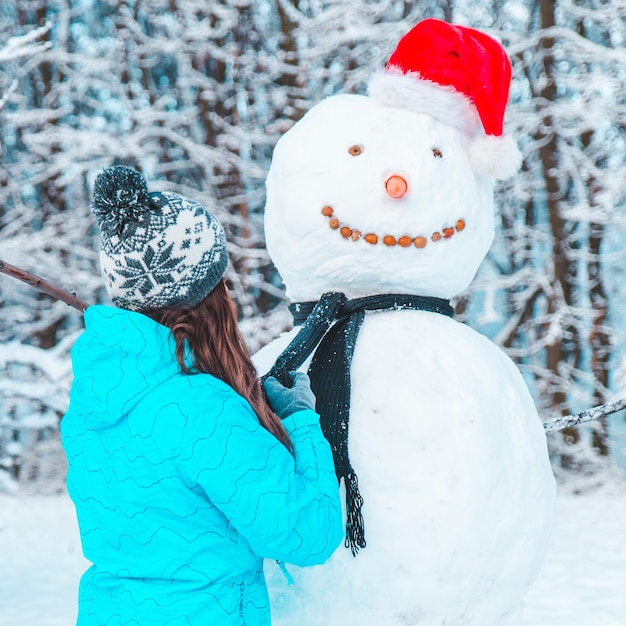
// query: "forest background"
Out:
[196,93]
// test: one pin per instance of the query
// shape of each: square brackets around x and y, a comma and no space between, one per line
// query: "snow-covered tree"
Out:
[195,94]
[560,240]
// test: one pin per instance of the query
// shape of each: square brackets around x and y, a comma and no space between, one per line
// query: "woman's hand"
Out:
[286,401]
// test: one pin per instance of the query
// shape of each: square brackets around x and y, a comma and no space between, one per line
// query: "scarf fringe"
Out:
[355,527]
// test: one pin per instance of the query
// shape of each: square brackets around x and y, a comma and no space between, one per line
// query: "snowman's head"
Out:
[365,198]
[393,192]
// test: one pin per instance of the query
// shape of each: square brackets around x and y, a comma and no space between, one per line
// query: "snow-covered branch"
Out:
[26,45]
[595,413]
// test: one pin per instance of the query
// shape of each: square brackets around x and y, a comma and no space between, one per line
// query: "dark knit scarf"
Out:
[333,324]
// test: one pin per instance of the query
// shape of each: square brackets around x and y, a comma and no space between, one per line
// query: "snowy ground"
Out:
[583,582]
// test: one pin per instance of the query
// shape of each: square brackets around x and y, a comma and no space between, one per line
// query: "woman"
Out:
[183,477]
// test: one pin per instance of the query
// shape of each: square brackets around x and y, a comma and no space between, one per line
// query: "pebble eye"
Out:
[355,150]
[438,154]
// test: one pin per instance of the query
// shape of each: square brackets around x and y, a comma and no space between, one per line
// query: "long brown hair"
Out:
[217,347]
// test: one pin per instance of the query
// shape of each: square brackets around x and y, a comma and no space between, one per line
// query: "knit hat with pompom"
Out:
[158,250]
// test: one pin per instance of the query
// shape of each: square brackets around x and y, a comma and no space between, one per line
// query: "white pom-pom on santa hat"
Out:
[498,157]
[461,77]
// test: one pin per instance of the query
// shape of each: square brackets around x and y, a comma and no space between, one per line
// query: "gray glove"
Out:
[286,401]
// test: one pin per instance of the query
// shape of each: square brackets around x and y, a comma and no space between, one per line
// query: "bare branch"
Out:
[43,285]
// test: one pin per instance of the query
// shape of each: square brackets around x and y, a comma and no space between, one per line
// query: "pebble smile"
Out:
[404,241]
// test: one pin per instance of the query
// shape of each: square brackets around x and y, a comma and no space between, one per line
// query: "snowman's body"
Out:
[443,434]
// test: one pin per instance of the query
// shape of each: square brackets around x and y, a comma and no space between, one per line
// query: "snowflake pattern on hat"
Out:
[158,250]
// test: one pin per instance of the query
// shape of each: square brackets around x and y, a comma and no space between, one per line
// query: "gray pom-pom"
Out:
[120,198]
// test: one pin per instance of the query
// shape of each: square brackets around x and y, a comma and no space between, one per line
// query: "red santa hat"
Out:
[461,77]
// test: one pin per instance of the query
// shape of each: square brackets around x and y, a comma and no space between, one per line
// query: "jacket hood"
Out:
[117,361]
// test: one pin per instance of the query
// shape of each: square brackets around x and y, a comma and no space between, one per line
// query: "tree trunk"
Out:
[565,343]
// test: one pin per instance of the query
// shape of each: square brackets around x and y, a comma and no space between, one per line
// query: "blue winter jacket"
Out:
[179,491]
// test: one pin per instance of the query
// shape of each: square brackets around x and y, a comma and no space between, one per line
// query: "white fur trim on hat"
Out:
[409,91]
[496,157]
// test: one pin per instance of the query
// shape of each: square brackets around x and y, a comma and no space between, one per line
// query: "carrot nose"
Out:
[396,186]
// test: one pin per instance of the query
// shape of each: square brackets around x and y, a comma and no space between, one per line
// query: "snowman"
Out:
[379,211]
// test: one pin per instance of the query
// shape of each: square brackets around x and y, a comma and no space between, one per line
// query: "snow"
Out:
[581,583]
[41,560]
[582,580]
